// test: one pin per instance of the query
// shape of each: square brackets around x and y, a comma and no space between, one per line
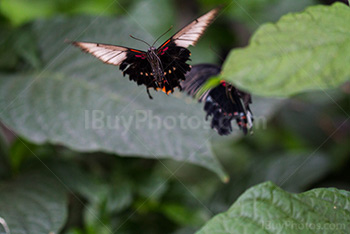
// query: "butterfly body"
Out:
[161,68]
[156,64]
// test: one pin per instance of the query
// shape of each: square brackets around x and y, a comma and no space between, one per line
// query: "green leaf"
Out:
[34,203]
[59,103]
[304,51]
[210,83]
[266,208]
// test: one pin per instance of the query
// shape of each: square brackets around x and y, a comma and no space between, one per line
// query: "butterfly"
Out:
[224,102]
[159,68]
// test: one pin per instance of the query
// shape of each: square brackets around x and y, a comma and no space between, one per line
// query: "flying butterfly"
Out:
[159,68]
[223,102]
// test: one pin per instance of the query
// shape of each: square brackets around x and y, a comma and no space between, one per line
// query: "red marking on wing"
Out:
[223,83]
[136,51]
[163,50]
[142,56]
[166,43]
[139,54]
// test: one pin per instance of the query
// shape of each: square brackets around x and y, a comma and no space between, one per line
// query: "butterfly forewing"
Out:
[110,54]
[190,34]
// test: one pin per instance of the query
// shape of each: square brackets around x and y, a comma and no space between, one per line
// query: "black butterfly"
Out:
[224,102]
[160,68]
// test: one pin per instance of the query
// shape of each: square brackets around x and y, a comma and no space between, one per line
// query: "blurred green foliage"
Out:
[302,144]
[19,12]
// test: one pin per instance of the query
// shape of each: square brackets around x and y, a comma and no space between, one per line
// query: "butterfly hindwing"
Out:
[223,102]
[138,68]
[173,59]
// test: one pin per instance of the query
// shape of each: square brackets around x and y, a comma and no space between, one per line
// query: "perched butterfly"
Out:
[160,68]
[223,102]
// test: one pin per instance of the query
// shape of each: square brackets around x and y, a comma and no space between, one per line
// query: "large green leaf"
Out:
[34,203]
[303,51]
[266,208]
[57,104]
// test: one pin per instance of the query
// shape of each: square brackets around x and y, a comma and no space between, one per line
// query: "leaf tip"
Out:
[225,179]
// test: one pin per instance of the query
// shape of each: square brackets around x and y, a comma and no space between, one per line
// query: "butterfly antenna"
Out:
[139,40]
[162,35]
